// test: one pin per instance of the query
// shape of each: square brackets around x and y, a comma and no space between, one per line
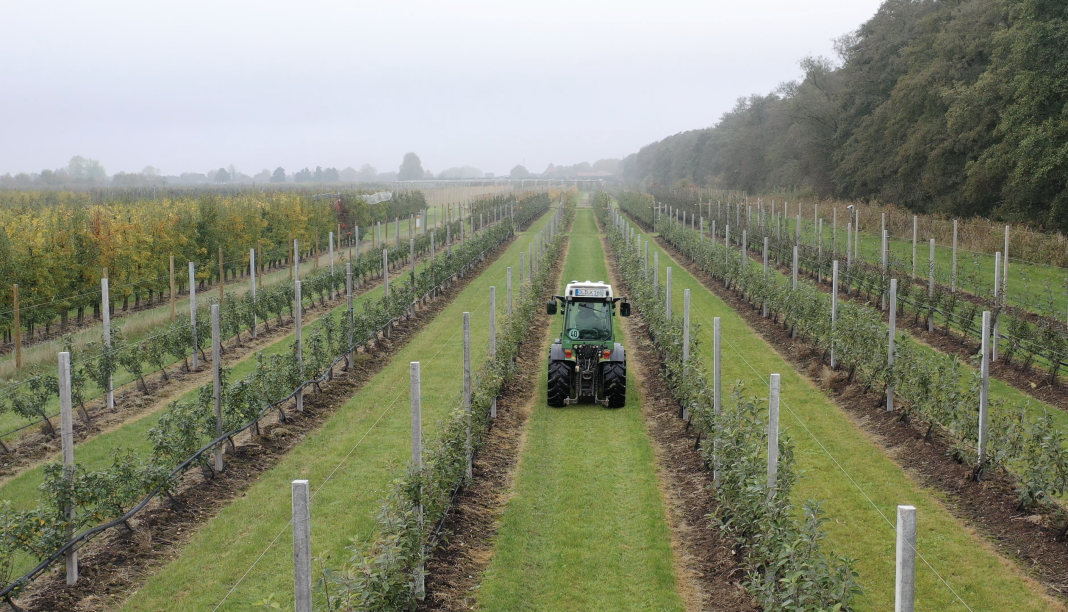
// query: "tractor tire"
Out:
[615,383]
[559,383]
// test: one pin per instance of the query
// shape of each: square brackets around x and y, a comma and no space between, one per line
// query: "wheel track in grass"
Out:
[455,571]
[117,564]
[987,507]
[584,527]
[708,563]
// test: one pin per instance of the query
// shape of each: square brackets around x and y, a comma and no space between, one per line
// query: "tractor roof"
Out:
[588,289]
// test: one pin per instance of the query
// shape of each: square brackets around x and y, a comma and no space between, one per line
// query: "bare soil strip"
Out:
[120,561]
[989,506]
[469,532]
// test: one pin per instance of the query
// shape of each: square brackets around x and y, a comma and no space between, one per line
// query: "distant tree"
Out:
[318,176]
[84,168]
[330,175]
[368,173]
[222,176]
[150,171]
[411,168]
[428,174]
[279,175]
[304,176]
[519,172]
[349,175]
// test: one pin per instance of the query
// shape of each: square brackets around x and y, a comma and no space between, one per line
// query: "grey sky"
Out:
[188,86]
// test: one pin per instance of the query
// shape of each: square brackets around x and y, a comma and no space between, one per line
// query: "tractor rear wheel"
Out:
[615,383]
[559,383]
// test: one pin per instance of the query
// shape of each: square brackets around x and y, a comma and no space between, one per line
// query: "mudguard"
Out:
[556,352]
[618,353]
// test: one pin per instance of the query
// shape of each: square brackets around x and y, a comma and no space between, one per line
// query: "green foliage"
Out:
[380,575]
[186,430]
[787,569]
[956,107]
[930,386]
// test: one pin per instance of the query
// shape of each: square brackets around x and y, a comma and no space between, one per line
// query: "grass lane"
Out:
[358,450]
[586,528]
[857,483]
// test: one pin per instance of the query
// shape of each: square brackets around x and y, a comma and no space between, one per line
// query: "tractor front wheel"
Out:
[559,383]
[615,384]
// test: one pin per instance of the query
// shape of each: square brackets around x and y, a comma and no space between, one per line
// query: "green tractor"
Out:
[585,362]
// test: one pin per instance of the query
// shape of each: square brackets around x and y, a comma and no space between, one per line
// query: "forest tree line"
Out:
[957,107]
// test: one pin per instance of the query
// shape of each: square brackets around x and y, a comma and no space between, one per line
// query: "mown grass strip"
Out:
[857,483]
[358,449]
[586,528]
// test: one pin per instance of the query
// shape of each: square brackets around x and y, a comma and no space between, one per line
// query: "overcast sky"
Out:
[188,86]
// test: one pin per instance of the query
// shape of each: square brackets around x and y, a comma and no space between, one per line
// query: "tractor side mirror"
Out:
[550,307]
[624,309]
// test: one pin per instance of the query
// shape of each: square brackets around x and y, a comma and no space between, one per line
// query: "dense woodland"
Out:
[951,106]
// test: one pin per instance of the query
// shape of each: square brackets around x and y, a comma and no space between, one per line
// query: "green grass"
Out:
[1026,280]
[350,463]
[858,485]
[585,529]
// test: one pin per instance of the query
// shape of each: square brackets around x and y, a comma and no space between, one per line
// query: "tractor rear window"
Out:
[589,321]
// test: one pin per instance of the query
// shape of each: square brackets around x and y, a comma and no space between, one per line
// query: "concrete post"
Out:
[953,280]
[915,234]
[773,435]
[667,294]
[905,579]
[891,345]
[931,281]
[216,380]
[467,389]
[764,306]
[105,292]
[521,266]
[997,310]
[1005,270]
[297,318]
[745,248]
[192,316]
[385,271]
[795,269]
[417,458]
[411,255]
[717,394]
[252,283]
[834,308]
[348,299]
[302,561]
[686,326]
[296,260]
[656,274]
[882,300]
[331,238]
[66,413]
[645,261]
[984,388]
[174,293]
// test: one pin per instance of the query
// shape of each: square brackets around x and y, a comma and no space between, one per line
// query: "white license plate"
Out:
[591,293]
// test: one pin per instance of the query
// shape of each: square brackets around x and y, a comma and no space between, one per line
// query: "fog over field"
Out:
[193,86]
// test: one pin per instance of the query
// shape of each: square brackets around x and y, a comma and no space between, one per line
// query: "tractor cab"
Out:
[586,362]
